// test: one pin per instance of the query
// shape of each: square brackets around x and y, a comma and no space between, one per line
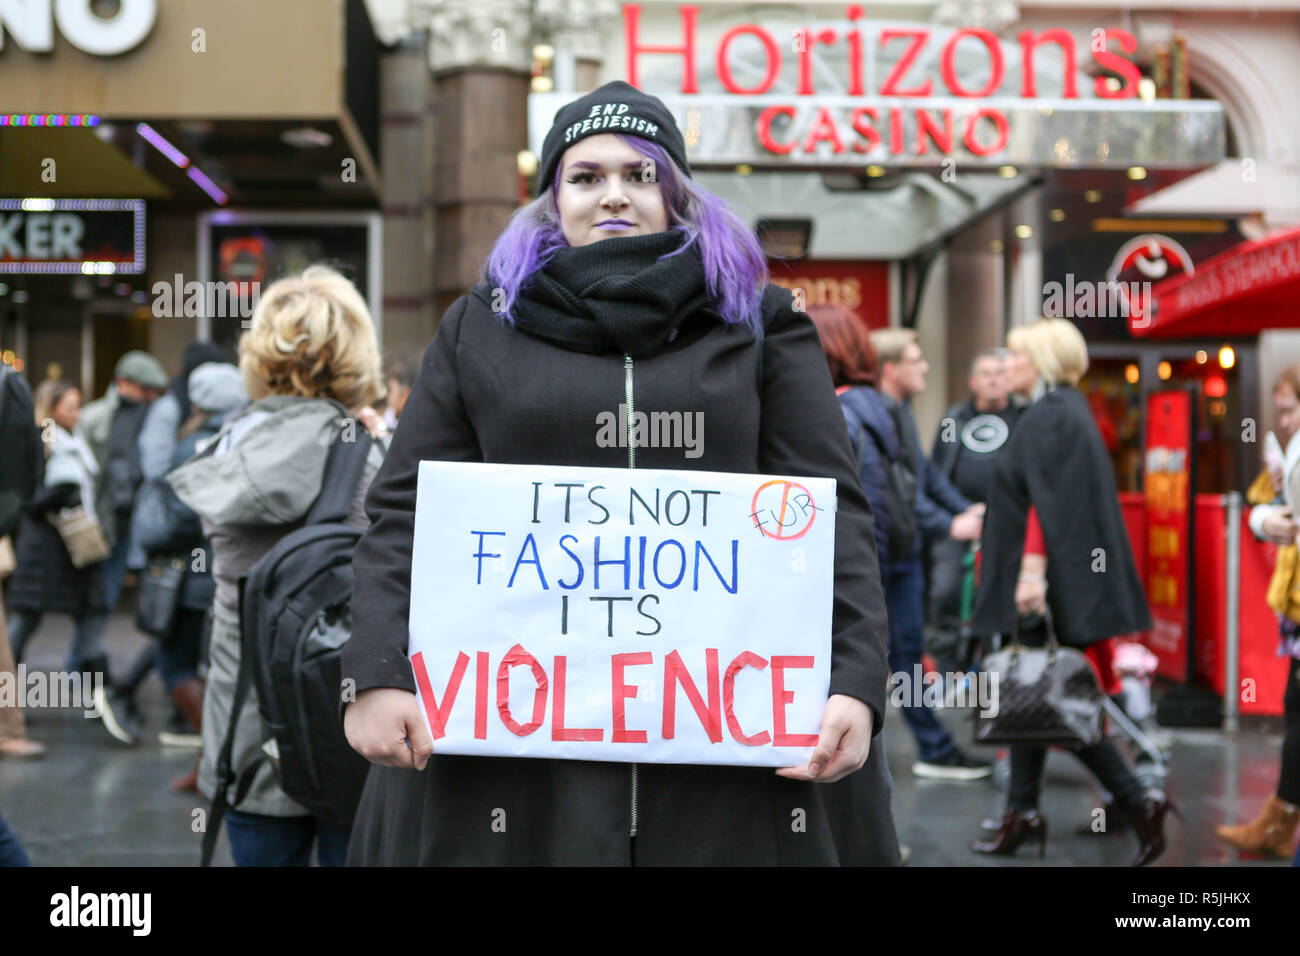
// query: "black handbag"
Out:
[160,595]
[1044,696]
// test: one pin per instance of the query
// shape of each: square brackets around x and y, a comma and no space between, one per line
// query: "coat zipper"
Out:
[631,409]
[631,463]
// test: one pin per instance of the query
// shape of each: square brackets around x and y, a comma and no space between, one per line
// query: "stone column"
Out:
[975,310]
[173,250]
[481,57]
[407,141]
[932,331]
[582,32]
[1026,303]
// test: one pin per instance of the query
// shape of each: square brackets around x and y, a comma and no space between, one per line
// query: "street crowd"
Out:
[623,278]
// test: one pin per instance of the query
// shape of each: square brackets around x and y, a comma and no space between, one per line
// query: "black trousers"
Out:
[1102,760]
[1288,784]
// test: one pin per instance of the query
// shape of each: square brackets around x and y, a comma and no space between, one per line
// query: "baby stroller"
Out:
[1131,712]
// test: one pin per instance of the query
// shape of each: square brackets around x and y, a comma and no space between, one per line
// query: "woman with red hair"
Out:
[855,372]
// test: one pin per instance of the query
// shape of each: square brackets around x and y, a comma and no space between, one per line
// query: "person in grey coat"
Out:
[111,426]
[139,377]
[158,434]
[309,362]
[168,531]
[157,443]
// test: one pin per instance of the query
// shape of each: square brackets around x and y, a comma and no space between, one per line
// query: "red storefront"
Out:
[1261,674]
[859,285]
[1244,290]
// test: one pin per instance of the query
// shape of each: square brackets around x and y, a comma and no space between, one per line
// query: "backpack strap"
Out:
[225,775]
[343,470]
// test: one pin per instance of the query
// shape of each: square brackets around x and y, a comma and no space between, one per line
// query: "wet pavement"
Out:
[95,802]
[1213,778]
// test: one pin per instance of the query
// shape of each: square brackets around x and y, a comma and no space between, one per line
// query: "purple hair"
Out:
[735,269]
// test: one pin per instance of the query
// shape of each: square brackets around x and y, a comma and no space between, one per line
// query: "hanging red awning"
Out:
[1241,291]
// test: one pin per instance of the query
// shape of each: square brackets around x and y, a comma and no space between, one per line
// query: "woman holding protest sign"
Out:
[623,283]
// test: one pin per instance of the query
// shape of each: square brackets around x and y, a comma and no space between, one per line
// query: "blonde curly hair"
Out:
[311,336]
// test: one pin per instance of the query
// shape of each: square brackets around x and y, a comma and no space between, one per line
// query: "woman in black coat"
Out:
[623,277]
[44,579]
[1056,464]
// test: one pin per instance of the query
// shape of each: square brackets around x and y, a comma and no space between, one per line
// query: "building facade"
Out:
[953,165]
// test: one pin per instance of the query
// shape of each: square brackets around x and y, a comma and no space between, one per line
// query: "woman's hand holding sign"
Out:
[384,725]
[843,744]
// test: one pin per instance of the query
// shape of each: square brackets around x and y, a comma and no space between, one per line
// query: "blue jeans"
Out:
[11,851]
[905,601]
[259,840]
[178,657]
[87,637]
[115,564]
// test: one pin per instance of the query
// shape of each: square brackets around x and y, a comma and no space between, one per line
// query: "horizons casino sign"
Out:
[854,92]
[30,24]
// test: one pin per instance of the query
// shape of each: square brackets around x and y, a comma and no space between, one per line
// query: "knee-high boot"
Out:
[188,697]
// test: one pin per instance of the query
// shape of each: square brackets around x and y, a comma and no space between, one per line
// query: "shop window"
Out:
[1115,392]
[1115,398]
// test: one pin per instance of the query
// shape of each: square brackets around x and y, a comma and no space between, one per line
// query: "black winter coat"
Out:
[875,441]
[1055,460]
[44,580]
[488,392]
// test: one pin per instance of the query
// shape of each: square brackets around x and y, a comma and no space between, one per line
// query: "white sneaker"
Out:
[112,723]
[171,738]
[956,766]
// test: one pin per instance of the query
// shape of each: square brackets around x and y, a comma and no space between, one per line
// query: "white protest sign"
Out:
[622,614]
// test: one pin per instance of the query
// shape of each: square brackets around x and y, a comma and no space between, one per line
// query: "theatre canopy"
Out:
[1240,292]
[266,100]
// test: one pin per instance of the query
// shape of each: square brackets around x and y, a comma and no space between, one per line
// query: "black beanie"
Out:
[616,107]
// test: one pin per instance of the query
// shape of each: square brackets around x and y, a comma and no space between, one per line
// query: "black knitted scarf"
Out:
[615,295]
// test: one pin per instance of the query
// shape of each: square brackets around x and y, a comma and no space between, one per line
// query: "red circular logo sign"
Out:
[782,509]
